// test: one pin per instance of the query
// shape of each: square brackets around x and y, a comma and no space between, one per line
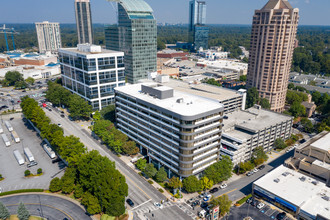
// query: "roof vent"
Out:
[326,198]
[315,182]
[179,100]
[302,178]
[277,180]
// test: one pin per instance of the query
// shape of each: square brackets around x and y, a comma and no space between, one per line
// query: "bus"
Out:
[6,140]
[28,154]
[19,157]
[8,125]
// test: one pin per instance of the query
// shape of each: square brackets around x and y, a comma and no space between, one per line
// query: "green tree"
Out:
[224,204]
[97,116]
[264,103]
[252,97]
[27,173]
[70,148]
[20,85]
[206,183]
[316,97]
[243,78]
[307,125]
[91,203]
[295,96]
[297,110]
[212,81]
[130,148]
[150,170]
[161,175]
[259,156]
[12,77]
[79,108]
[141,164]
[78,191]
[98,175]
[175,183]
[245,166]
[109,113]
[279,144]
[220,171]
[192,184]
[22,212]
[39,171]
[291,86]
[55,185]
[68,180]
[4,213]
[160,45]
[30,81]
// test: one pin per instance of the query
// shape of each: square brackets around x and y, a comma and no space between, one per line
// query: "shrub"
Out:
[150,181]
[27,173]
[140,173]
[161,190]
[240,202]
[55,185]
[20,191]
[78,192]
[39,171]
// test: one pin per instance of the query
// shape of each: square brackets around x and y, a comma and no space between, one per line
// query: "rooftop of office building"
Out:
[253,119]
[320,141]
[298,189]
[203,90]
[88,49]
[171,99]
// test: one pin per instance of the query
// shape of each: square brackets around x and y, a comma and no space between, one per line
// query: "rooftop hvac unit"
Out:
[277,180]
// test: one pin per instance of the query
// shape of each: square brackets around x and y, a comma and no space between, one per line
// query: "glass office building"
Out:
[136,36]
[198,31]
[92,73]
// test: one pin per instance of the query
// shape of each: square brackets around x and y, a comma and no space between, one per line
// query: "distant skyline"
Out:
[312,12]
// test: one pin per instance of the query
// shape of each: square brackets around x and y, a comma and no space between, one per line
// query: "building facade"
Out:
[84,21]
[49,36]
[198,31]
[136,36]
[178,131]
[273,35]
[92,73]
[244,131]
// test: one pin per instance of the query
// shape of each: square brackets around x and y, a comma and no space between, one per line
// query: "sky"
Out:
[312,12]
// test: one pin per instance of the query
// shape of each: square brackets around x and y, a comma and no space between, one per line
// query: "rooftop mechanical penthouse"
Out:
[178,131]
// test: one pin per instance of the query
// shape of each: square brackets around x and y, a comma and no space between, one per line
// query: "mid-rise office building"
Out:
[244,131]
[198,31]
[136,36]
[92,73]
[49,36]
[273,35]
[176,130]
[313,157]
[84,21]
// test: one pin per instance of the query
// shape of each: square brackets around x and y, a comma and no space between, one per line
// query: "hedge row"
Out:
[240,202]
[20,191]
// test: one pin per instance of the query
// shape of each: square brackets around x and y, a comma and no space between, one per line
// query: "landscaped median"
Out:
[21,191]
[243,200]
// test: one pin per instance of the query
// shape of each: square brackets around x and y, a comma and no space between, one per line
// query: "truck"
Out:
[6,140]
[19,157]
[28,154]
[15,136]
[1,130]
[8,125]
[49,151]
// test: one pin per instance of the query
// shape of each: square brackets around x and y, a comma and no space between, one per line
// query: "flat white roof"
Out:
[191,105]
[103,53]
[293,189]
[323,143]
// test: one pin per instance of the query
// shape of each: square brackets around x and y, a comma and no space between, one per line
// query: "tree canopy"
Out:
[220,171]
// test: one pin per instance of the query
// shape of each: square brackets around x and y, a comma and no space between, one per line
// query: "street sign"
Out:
[215,213]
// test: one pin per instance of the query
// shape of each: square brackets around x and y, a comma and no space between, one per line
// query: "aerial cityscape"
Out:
[146,117]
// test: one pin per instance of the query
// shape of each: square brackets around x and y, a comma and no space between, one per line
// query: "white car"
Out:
[255,170]
[260,205]
[0,190]
[223,186]
[59,125]
[158,205]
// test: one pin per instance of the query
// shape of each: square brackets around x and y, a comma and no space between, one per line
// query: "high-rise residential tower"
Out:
[49,36]
[273,35]
[198,31]
[136,36]
[84,21]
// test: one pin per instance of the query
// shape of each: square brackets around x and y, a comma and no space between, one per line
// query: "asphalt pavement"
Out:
[47,206]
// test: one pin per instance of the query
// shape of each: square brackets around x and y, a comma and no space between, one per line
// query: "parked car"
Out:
[59,125]
[31,164]
[281,215]
[249,200]
[158,205]
[214,190]
[0,190]
[250,173]
[63,116]
[223,186]
[130,202]
[254,202]
[207,198]
[255,170]
[260,205]
[204,205]
[261,167]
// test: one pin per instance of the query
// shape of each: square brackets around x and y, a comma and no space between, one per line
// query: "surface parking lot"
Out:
[267,212]
[9,167]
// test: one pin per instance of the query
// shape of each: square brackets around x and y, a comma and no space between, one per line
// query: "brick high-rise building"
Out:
[273,38]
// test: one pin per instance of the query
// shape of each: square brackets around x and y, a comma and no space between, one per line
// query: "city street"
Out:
[140,191]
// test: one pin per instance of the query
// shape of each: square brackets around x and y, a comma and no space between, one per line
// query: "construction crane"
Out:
[4,30]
